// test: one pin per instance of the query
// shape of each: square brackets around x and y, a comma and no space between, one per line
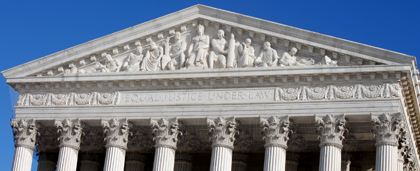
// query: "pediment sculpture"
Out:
[199,50]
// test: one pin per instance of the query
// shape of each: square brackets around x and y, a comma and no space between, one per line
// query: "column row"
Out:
[222,130]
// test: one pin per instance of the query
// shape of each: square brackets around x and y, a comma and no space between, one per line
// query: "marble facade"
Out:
[207,89]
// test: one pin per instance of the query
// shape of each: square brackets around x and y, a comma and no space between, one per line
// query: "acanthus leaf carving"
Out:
[275,131]
[331,130]
[116,132]
[70,132]
[25,133]
[222,131]
[387,128]
[165,132]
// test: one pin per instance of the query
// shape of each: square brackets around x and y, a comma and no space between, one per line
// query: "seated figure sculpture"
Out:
[197,52]
[152,60]
[176,52]
[246,53]
[132,61]
[268,56]
[218,54]
[289,59]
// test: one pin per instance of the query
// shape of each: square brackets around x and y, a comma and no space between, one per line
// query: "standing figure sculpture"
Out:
[246,53]
[217,56]
[197,52]
[289,59]
[152,60]
[176,52]
[268,56]
[132,61]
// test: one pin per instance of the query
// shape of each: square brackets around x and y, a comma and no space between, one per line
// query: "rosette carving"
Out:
[222,131]
[38,99]
[165,132]
[116,132]
[24,132]
[70,132]
[275,131]
[331,129]
[387,128]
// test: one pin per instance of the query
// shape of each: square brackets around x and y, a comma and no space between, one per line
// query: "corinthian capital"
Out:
[24,132]
[331,129]
[116,132]
[70,132]
[165,132]
[387,128]
[222,131]
[275,131]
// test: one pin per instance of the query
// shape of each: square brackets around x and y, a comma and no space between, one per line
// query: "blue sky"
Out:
[33,29]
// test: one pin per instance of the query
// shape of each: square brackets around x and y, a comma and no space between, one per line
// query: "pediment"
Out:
[129,51]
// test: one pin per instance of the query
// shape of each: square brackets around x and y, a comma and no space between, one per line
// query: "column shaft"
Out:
[114,159]
[400,165]
[221,159]
[386,158]
[67,159]
[23,159]
[330,158]
[275,159]
[46,165]
[87,165]
[238,166]
[164,159]
[134,166]
[183,166]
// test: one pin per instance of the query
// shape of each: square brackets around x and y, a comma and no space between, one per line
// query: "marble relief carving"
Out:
[201,51]
[301,93]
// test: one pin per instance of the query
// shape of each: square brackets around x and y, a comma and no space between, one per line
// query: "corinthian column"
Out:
[222,132]
[165,135]
[70,132]
[275,131]
[24,132]
[116,133]
[331,130]
[387,132]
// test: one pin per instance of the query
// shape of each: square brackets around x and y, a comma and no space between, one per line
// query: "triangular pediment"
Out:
[127,50]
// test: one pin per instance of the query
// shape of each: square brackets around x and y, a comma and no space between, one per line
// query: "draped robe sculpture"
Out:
[217,55]
[152,60]
[247,56]
[289,59]
[198,50]
[176,52]
[268,56]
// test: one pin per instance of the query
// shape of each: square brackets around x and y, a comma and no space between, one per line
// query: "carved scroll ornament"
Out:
[116,132]
[275,131]
[70,132]
[165,132]
[331,129]
[387,128]
[24,132]
[222,131]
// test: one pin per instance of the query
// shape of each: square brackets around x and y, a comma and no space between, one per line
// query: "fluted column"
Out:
[239,162]
[331,130]
[387,132]
[70,132]
[89,162]
[24,132]
[222,132]
[275,132]
[135,162]
[292,161]
[165,134]
[183,162]
[116,132]
[345,162]
[46,161]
